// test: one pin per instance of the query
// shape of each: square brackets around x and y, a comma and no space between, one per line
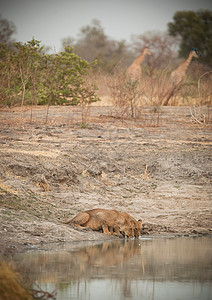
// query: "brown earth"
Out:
[156,168]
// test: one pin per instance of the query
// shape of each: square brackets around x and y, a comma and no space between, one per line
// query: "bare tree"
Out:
[162,46]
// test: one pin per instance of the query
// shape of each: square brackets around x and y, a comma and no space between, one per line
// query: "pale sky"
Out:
[52,20]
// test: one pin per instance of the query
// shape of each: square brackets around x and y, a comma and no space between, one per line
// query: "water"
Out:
[157,268]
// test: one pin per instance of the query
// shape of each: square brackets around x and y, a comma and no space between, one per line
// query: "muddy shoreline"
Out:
[11,248]
[157,169]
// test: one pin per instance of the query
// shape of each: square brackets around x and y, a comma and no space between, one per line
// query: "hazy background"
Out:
[52,20]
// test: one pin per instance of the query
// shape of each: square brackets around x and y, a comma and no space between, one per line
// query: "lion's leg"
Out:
[116,230]
[111,229]
[133,230]
[105,229]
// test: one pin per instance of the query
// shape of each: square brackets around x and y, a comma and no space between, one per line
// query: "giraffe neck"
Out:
[139,59]
[184,66]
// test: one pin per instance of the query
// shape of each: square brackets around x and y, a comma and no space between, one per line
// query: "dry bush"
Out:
[130,96]
[205,88]
[200,116]
[126,95]
[159,89]
[192,91]
[10,286]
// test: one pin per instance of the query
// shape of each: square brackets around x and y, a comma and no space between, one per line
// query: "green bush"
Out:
[28,76]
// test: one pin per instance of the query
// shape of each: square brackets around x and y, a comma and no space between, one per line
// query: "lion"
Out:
[136,225]
[110,221]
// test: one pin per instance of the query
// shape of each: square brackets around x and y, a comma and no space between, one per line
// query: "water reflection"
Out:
[160,268]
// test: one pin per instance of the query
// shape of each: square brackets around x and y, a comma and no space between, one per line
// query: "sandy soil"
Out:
[157,168]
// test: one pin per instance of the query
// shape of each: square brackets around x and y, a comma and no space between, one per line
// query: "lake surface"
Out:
[148,268]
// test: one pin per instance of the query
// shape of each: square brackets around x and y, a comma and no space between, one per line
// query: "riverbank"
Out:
[157,169]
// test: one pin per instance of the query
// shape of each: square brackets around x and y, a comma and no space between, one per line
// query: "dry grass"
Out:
[10,285]
[205,88]
[116,90]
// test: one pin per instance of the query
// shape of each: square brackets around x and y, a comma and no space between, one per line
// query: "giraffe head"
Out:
[195,53]
[147,51]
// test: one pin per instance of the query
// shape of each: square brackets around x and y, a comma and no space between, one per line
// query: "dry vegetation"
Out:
[153,91]
[10,286]
[14,285]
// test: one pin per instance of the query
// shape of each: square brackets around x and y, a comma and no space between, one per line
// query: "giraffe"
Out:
[179,74]
[134,70]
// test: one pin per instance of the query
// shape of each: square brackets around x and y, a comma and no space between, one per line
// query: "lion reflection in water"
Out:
[107,254]
[109,221]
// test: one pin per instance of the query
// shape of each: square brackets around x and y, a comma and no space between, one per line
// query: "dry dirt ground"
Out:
[157,168]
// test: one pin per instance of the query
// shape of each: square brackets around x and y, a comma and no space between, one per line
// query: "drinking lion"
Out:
[110,221]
